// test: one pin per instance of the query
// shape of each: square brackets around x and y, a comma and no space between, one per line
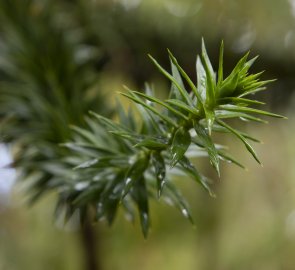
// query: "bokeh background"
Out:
[251,223]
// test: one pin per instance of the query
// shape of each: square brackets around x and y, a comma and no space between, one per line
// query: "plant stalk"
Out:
[90,240]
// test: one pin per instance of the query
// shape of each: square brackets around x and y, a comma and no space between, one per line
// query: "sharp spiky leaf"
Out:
[140,196]
[186,77]
[152,109]
[135,173]
[179,201]
[182,106]
[158,163]
[158,101]
[152,144]
[189,168]
[210,77]
[181,142]
[201,79]
[241,137]
[220,67]
[235,108]
[181,90]
[209,145]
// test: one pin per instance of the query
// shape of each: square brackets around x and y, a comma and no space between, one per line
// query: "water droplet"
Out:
[96,178]
[145,217]
[185,212]
[99,209]
[82,185]
[161,176]
[128,181]
[88,163]
[159,194]
[117,189]
[174,155]
[168,201]
[244,119]
[193,133]
[132,159]
[127,187]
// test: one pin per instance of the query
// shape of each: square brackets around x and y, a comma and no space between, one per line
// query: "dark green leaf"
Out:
[221,129]
[230,159]
[130,214]
[122,114]
[109,199]
[149,90]
[252,85]
[209,145]
[181,90]
[152,143]
[252,91]
[153,99]
[220,67]
[174,93]
[250,62]
[131,119]
[160,171]
[80,149]
[241,137]
[135,172]
[178,200]
[210,118]
[181,142]
[235,108]
[87,195]
[85,133]
[152,109]
[189,168]
[187,78]
[229,114]
[140,196]
[150,121]
[201,79]
[87,164]
[238,100]
[107,122]
[133,137]
[181,105]
[210,77]
[229,85]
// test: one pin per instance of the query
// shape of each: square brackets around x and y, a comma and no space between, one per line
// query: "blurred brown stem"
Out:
[89,236]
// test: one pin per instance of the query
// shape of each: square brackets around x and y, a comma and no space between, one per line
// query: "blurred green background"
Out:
[251,223]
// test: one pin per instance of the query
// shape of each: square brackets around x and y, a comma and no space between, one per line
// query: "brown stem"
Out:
[89,237]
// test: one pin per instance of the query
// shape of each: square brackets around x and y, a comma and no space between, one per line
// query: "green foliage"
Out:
[127,162]
[45,86]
